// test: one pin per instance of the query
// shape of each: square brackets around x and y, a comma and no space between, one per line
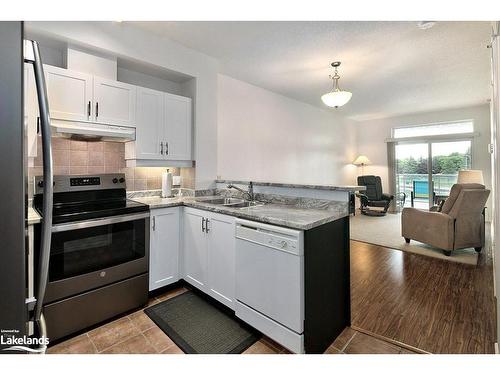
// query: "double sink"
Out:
[231,202]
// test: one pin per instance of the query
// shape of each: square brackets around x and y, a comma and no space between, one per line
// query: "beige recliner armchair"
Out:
[458,224]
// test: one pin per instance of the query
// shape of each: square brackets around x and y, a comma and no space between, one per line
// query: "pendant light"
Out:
[337,97]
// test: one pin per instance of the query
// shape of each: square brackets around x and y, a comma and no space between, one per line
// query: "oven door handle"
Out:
[98,222]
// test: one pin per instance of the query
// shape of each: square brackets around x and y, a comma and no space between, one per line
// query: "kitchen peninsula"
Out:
[304,240]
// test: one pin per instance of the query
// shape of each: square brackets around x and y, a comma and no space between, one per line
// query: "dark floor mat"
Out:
[197,326]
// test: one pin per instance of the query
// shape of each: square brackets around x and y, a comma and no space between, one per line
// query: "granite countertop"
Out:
[33,216]
[296,186]
[271,213]
[159,202]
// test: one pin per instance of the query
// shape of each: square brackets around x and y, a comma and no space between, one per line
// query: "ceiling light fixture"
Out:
[337,97]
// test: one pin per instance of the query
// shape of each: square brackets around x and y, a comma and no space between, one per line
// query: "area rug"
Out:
[386,231]
[198,326]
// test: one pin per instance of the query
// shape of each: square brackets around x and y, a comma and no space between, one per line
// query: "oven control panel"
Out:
[69,183]
[84,181]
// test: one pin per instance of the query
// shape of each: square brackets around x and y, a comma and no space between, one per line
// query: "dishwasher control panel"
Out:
[282,243]
[278,238]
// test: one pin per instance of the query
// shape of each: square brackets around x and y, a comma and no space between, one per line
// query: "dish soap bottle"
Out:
[166,184]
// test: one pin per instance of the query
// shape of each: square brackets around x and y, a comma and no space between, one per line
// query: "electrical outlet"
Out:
[490,148]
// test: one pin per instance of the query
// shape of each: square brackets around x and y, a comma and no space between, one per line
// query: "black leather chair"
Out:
[373,196]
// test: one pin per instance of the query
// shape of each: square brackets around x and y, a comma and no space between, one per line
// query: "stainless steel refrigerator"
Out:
[22,326]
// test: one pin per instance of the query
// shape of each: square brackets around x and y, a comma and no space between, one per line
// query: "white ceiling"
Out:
[392,68]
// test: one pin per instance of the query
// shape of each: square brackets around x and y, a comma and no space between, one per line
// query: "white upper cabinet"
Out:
[163,129]
[177,127]
[163,121]
[114,102]
[70,94]
[76,96]
[149,125]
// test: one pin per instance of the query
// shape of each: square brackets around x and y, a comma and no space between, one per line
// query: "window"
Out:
[462,127]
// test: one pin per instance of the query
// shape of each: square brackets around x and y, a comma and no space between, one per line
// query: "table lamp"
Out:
[470,176]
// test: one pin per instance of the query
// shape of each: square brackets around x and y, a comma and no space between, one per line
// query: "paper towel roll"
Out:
[166,184]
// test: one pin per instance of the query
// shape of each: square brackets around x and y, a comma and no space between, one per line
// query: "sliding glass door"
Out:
[426,171]
[412,174]
[447,159]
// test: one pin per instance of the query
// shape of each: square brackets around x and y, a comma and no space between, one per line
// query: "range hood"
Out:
[92,131]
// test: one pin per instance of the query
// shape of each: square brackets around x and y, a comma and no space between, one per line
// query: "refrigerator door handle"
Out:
[32,55]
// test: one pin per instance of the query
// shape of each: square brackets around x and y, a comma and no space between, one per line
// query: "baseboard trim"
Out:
[390,341]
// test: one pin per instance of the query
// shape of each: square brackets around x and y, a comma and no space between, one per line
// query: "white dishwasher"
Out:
[270,281]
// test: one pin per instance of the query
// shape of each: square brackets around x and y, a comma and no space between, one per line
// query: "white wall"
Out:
[128,42]
[145,80]
[371,136]
[264,136]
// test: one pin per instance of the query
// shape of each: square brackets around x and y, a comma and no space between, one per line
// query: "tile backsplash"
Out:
[144,178]
[81,157]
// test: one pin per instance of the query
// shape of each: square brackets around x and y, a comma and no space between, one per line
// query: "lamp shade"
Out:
[470,176]
[336,98]
[361,160]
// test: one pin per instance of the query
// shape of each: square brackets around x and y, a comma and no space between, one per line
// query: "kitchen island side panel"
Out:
[327,284]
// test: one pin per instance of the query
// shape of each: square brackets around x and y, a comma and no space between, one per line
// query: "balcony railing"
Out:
[442,184]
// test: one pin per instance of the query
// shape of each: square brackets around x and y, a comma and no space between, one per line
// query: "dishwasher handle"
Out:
[271,229]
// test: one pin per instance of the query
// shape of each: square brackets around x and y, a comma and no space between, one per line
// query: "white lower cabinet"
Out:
[194,248]
[221,258]
[209,253]
[202,242]
[164,247]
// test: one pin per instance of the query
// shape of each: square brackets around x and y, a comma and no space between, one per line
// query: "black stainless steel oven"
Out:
[99,252]
[92,253]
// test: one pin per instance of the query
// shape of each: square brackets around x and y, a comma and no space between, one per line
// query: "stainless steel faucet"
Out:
[248,193]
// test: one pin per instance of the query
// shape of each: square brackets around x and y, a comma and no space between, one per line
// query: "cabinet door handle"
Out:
[96,110]
[206,225]
[38,125]
[154,222]
[166,146]
[203,224]
[161,147]
[88,110]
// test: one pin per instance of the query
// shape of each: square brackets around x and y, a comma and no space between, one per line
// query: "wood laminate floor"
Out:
[427,303]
